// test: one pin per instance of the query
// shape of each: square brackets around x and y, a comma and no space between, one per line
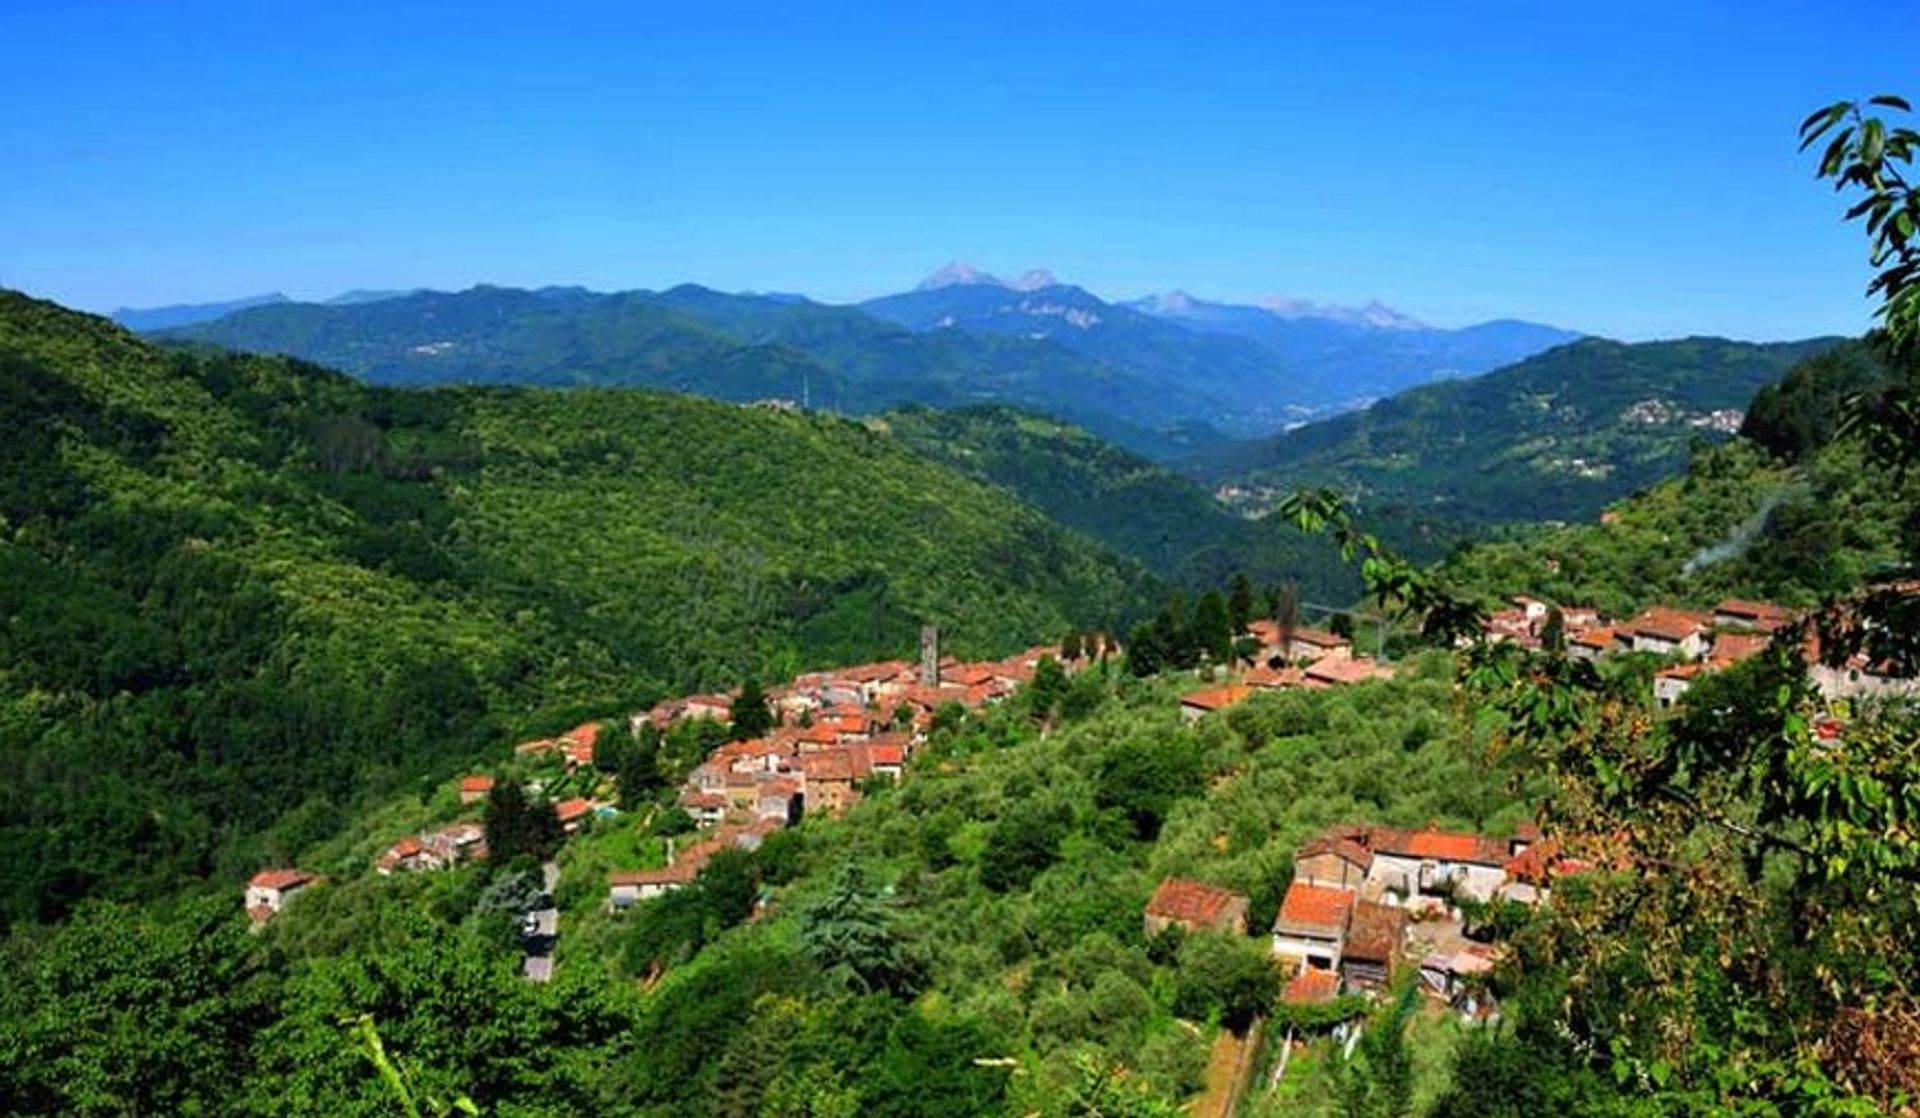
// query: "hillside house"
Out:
[475,788]
[1316,644]
[1194,906]
[573,813]
[706,808]
[717,708]
[1202,703]
[1335,859]
[1762,617]
[1342,671]
[827,781]
[1311,928]
[270,890]
[1665,631]
[1434,862]
[1670,684]
[1375,936]
[1592,643]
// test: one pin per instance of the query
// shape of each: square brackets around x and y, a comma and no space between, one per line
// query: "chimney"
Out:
[929,656]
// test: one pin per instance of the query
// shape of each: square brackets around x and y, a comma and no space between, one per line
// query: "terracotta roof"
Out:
[1446,846]
[1311,987]
[1764,615]
[1319,908]
[1217,698]
[887,754]
[1347,669]
[1270,678]
[1376,932]
[1319,638]
[1540,863]
[569,810]
[967,675]
[1731,648]
[1340,846]
[1668,623]
[1594,638]
[834,765]
[481,783]
[666,875]
[1192,902]
[586,734]
[280,879]
[875,673]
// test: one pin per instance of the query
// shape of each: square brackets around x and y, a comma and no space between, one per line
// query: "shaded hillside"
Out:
[1133,506]
[240,593]
[1555,437]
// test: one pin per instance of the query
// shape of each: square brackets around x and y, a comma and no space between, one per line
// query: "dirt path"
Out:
[1227,1071]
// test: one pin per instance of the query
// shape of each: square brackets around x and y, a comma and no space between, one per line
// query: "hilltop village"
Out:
[1365,901]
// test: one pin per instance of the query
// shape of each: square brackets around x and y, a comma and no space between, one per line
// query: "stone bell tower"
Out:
[929,656]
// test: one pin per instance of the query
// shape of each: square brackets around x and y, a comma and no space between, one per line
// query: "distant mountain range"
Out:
[1167,376]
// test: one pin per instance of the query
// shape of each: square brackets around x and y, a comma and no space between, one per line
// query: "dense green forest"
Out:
[1135,507]
[1555,437]
[242,595]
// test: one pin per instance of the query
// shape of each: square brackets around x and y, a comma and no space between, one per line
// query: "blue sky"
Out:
[1627,169]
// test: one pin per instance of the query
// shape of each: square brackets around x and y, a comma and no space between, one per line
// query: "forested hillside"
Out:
[1555,437]
[1136,507]
[1786,512]
[241,595]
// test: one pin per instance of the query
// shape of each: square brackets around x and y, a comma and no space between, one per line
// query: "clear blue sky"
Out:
[1627,169]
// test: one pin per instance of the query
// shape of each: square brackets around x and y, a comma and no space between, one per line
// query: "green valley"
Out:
[243,595]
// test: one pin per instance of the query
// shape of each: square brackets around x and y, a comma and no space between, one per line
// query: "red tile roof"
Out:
[1192,902]
[887,754]
[481,784]
[1763,615]
[1217,698]
[1444,846]
[1342,847]
[1376,933]
[1347,669]
[1731,648]
[1316,907]
[569,810]
[1311,987]
[280,879]
[1667,623]
[586,734]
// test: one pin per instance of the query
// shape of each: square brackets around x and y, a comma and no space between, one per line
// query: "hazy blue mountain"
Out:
[731,347]
[185,314]
[1351,354]
[1250,388]
[372,295]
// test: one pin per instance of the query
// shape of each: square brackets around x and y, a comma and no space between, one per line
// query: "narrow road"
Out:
[542,929]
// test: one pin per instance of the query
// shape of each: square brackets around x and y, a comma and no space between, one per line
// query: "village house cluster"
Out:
[1698,641]
[838,729]
[1365,902]
[1296,657]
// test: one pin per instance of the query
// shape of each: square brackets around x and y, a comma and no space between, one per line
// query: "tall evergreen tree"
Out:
[1213,628]
[1240,604]
[752,716]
